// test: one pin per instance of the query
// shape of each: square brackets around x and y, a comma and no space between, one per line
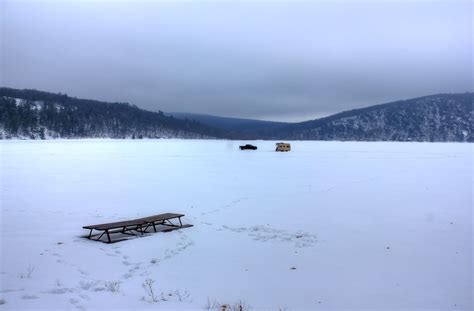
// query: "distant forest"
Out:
[40,115]
[31,114]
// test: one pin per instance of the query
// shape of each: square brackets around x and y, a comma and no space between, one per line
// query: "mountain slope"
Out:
[227,123]
[34,114]
[442,117]
[236,127]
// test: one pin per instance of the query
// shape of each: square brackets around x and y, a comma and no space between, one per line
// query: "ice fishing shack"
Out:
[283,147]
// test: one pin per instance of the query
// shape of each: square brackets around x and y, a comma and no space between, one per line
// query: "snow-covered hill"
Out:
[443,117]
[31,114]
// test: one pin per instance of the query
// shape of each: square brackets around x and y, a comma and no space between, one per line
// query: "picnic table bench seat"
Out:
[139,225]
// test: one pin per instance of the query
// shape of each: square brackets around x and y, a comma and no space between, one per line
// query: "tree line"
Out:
[38,115]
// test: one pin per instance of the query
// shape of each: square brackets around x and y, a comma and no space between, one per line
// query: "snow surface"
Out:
[380,226]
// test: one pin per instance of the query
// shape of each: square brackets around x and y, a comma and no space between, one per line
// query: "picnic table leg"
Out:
[90,234]
[171,223]
[180,223]
[154,227]
[98,239]
[108,235]
[148,225]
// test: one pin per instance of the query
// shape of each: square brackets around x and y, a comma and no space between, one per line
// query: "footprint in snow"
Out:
[84,297]
[11,290]
[76,304]
[59,291]
[84,285]
[127,276]
[134,269]
[169,253]
[264,234]
[26,297]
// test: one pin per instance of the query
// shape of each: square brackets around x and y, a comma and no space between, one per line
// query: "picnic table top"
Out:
[159,217]
[118,224]
[133,222]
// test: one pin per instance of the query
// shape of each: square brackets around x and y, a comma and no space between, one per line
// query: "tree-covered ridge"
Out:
[39,115]
[434,118]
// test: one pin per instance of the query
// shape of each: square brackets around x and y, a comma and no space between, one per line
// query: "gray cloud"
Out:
[281,60]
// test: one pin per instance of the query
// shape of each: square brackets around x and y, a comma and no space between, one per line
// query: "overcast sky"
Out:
[273,60]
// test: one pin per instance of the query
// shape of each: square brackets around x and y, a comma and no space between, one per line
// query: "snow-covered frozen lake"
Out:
[327,226]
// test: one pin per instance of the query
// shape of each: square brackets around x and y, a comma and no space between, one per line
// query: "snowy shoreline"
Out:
[224,139]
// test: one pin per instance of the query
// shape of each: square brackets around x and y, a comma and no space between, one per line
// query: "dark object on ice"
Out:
[248,147]
[140,225]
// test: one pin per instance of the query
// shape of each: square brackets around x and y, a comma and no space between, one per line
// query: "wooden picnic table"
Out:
[140,225]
